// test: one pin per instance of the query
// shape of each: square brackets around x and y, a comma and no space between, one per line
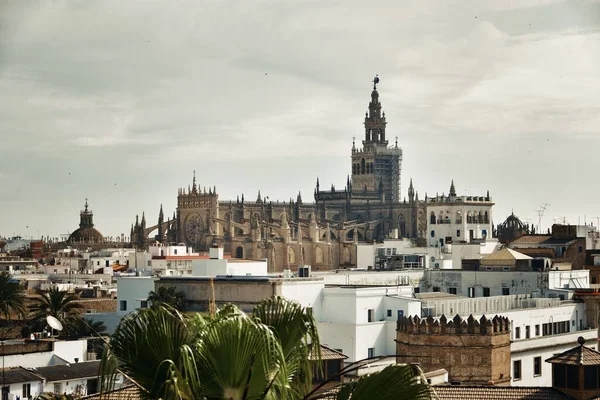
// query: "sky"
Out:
[120,101]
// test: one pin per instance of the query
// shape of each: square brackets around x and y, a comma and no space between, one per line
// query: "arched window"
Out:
[480,219]
[441,217]
[469,217]
[486,218]
[319,256]
[362,166]
[239,252]
[432,218]
[459,217]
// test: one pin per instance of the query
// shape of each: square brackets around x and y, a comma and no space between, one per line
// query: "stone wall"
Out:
[472,351]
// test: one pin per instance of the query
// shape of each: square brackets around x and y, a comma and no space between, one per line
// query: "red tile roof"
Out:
[459,392]
[580,355]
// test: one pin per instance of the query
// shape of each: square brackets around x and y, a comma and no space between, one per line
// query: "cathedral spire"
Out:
[259,198]
[452,189]
[194,188]
[299,198]
[411,191]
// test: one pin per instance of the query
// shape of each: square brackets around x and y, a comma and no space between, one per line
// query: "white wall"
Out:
[308,293]
[77,386]
[544,347]
[28,360]
[68,350]
[133,290]
[16,389]
[215,267]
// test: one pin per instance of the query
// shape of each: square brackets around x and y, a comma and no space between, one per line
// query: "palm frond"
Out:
[400,381]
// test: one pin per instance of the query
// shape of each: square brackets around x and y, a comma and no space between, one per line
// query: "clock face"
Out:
[194,228]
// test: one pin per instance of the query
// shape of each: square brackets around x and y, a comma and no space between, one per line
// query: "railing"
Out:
[485,305]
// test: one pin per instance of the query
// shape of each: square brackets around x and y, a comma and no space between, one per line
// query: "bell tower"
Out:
[375,166]
[375,120]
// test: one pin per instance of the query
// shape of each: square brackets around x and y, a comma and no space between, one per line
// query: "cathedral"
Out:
[322,233]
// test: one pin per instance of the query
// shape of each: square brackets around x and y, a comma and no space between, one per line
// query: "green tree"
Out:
[167,295]
[87,327]
[12,297]
[58,303]
[235,356]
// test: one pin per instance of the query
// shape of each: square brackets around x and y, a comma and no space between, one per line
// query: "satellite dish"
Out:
[54,323]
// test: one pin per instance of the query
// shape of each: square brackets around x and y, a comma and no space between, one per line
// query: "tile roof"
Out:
[506,254]
[65,372]
[124,393]
[580,355]
[328,354]
[531,239]
[18,375]
[459,392]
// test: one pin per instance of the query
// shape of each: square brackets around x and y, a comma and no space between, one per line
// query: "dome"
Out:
[86,232]
[512,229]
[512,222]
[87,235]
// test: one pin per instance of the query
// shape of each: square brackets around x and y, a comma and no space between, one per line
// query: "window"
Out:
[581,249]
[175,252]
[505,268]
[389,313]
[537,330]
[452,290]
[527,332]
[122,307]
[371,315]
[432,233]
[26,390]
[5,391]
[143,304]
[57,388]
[416,290]
[486,292]
[436,288]
[371,352]
[516,370]
[518,332]
[537,366]
[458,233]
[471,292]
[505,291]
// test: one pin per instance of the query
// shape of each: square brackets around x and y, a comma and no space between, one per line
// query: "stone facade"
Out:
[322,233]
[472,351]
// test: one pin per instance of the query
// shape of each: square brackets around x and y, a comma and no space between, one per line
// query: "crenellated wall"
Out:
[472,351]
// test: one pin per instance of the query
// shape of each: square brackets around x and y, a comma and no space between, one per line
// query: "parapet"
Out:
[457,325]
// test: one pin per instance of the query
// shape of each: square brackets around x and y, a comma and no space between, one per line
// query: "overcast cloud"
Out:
[119,101]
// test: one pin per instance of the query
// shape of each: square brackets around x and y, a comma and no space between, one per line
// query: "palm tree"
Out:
[12,296]
[167,295]
[57,303]
[236,356]
[86,327]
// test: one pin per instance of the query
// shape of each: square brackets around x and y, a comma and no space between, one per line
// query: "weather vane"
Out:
[375,82]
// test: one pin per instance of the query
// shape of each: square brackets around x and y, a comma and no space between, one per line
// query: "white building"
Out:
[104,260]
[217,265]
[453,219]
[401,254]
